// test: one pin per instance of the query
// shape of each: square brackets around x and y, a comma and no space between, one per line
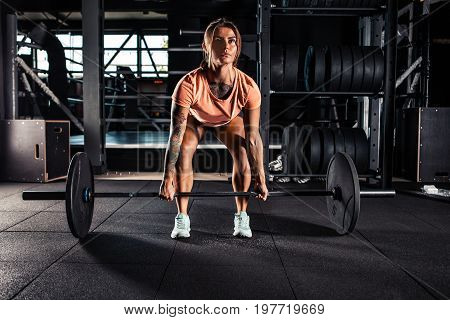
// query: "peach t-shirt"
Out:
[192,91]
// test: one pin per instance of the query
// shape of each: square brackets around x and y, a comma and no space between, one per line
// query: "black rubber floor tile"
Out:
[301,225]
[96,281]
[34,246]
[433,212]
[207,249]
[138,223]
[119,185]
[9,188]
[108,248]
[293,207]
[16,275]
[343,268]
[54,222]
[383,215]
[10,218]
[107,205]
[215,186]
[149,206]
[211,223]
[225,206]
[16,203]
[359,282]
[224,282]
[425,254]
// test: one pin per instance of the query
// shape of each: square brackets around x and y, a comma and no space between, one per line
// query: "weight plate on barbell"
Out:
[327,148]
[349,141]
[276,67]
[343,209]
[290,68]
[358,69]
[379,71]
[80,180]
[361,150]
[347,69]
[333,63]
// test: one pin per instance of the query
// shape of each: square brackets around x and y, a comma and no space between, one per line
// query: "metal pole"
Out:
[387,129]
[264,12]
[93,83]
[426,53]
[11,76]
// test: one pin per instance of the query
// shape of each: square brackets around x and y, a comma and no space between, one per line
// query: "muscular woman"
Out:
[216,96]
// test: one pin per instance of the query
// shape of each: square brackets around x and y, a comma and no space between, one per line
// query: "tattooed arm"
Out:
[255,151]
[177,129]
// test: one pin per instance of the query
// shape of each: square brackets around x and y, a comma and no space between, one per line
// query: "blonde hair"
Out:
[208,38]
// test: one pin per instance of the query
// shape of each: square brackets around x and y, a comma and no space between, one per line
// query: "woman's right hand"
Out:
[167,190]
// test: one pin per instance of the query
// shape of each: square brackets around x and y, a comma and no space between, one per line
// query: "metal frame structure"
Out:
[378,114]
[93,83]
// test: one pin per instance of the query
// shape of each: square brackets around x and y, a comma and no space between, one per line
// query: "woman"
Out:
[212,97]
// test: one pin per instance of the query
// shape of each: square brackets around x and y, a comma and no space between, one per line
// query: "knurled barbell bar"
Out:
[342,192]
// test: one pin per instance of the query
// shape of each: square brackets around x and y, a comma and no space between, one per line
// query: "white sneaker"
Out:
[182,227]
[242,225]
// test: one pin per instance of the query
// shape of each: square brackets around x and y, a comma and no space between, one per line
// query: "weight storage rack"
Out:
[376,110]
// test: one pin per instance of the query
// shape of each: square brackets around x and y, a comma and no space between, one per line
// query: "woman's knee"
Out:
[241,164]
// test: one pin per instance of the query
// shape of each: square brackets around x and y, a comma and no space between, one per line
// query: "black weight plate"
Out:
[321,3]
[344,209]
[308,70]
[329,3]
[361,150]
[379,71]
[300,146]
[288,148]
[327,148]
[314,150]
[301,69]
[347,69]
[358,69]
[276,67]
[79,178]
[369,68]
[334,68]
[375,3]
[339,141]
[364,3]
[290,68]
[351,3]
[313,3]
[319,68]
[349,141]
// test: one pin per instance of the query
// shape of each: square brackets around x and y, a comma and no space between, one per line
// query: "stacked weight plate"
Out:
[308,150]
[344,69]
[329,3]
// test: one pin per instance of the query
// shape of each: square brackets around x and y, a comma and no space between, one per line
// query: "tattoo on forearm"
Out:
[177,129]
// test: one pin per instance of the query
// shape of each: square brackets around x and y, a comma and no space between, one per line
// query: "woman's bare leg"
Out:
[184,179]
[233,136]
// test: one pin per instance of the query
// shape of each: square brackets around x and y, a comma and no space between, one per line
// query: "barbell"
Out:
[342,192]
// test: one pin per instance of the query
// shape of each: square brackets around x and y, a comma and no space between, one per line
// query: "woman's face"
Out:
[223,46]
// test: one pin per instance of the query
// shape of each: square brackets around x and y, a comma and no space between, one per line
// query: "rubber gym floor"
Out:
[399,250]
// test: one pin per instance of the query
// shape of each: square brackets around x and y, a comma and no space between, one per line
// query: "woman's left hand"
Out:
[261,189]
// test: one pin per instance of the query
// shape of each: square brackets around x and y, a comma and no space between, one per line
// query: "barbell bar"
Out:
[342,193]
